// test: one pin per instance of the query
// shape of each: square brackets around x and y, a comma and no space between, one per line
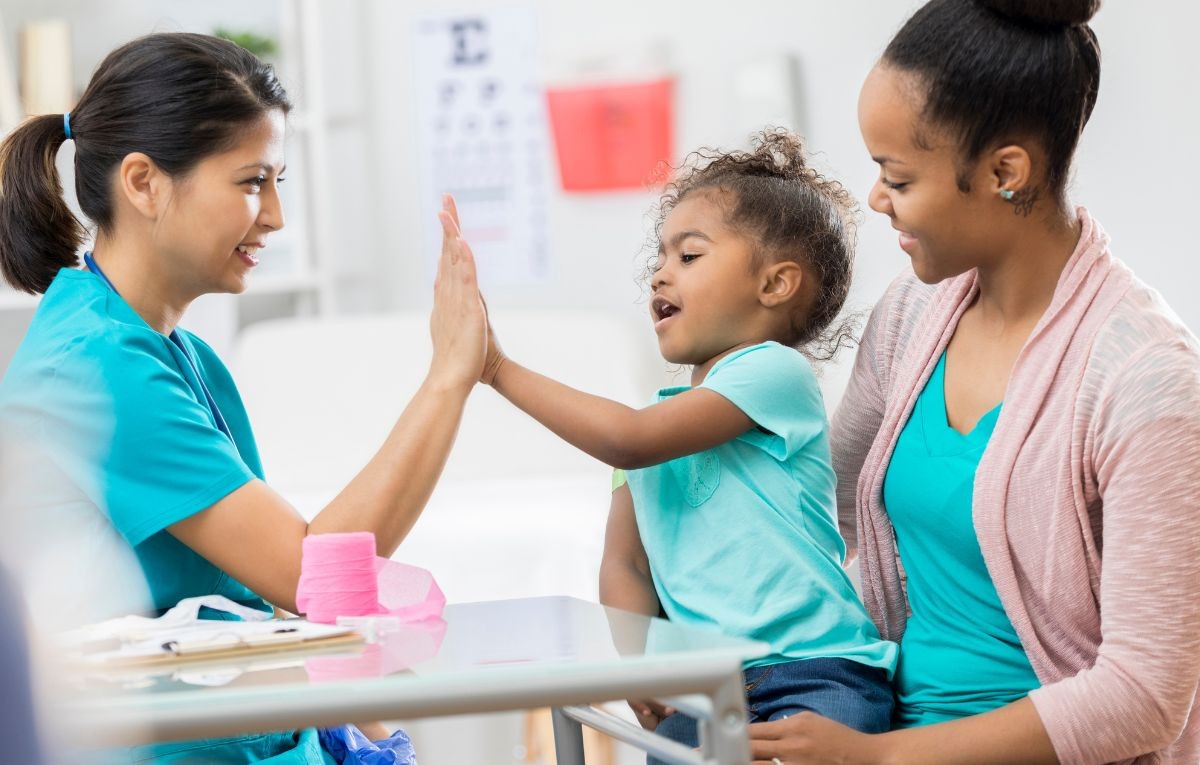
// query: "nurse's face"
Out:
[944,230]
[221,213]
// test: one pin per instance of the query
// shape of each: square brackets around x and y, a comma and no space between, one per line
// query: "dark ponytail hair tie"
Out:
[67,124]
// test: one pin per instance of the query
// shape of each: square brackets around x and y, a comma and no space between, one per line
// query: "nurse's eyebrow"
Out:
[886,160]
[262,166]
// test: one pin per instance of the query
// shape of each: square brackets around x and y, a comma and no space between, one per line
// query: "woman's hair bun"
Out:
[1065,13]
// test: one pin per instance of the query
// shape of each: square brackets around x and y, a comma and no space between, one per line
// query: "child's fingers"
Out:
[660,709]
[645,715]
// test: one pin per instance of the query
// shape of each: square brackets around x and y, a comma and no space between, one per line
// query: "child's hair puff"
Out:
[790,212]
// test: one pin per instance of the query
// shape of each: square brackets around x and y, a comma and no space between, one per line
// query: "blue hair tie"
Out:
[67,124]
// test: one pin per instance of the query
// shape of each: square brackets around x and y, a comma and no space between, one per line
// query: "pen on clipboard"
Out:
[222,640]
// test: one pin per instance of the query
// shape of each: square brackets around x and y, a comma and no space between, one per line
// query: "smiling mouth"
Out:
[248,253]
[662,309]
[906,239]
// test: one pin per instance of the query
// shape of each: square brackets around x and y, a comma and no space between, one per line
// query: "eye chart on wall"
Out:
[483,138]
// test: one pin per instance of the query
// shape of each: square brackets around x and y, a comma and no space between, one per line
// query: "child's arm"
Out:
[616,434]
[613,433]
[625,581]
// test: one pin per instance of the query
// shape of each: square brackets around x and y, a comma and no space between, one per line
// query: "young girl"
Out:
[729,478]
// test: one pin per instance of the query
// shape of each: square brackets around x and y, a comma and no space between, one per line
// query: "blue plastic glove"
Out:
[349,746]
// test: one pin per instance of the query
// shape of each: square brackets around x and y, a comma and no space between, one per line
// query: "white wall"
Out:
[1137,168]
[98,27]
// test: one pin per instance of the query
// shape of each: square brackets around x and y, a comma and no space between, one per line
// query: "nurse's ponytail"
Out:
[38,232]
[176,97]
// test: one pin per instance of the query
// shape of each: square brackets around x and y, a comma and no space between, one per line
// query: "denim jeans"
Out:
[846,691]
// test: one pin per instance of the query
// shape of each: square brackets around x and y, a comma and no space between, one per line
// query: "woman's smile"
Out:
[249,253]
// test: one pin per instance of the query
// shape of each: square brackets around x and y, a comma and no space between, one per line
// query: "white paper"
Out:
[483,138]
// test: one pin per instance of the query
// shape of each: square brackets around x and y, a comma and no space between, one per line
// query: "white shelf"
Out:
[11,300]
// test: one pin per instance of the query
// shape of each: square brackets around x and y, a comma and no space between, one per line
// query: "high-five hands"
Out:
[458,324]
[452,230]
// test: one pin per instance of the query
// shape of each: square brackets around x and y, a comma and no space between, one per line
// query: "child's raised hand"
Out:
[495,356]
[649,712]
[458,323]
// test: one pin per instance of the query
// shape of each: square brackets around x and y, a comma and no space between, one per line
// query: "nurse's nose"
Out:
[270,215]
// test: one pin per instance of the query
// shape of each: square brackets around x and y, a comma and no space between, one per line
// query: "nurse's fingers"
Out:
[465,259]
[450,206]
[450,239]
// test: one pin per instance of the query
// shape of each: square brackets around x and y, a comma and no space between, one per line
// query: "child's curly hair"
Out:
[791,212]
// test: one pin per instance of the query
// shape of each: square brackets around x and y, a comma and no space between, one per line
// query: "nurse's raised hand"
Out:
[459,322]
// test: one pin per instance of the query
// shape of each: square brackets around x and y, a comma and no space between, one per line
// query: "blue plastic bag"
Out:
[349,746]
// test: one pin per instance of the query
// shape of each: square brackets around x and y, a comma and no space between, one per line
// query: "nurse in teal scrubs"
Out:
[124,417]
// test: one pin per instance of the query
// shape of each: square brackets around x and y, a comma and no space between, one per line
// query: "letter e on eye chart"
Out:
[483,138]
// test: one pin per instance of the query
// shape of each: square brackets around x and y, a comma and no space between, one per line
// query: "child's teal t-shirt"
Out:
[960,654]
[743,538]
[115,412]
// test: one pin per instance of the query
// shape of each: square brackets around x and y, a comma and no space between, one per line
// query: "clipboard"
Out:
[209,640]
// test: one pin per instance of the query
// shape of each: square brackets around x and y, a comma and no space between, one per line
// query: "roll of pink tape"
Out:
[340,575]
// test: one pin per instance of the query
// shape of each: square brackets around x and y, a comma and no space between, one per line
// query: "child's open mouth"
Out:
[662,310]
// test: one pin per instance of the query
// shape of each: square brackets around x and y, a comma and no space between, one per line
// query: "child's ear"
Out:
[781,283]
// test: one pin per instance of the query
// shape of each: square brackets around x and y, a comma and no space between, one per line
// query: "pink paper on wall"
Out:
[611,137]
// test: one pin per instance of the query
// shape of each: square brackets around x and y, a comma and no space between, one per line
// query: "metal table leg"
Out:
[728,739]
[568,739]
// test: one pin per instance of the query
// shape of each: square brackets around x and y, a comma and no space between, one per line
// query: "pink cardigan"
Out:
[1087,499]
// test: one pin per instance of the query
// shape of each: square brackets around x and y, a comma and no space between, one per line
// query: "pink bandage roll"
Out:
[340,575]
[409,645]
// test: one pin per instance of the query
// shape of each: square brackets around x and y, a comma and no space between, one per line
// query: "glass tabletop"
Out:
[546,634]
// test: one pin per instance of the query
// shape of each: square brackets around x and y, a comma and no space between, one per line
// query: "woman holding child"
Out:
[1017,456]
[1018,451]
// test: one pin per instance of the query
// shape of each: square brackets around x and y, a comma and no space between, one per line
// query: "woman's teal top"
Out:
[960,654]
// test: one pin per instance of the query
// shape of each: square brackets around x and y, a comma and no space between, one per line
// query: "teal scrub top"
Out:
[960,654]
[120,409]
[743,538]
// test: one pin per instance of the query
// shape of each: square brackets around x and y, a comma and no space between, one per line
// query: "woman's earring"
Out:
[1006,194]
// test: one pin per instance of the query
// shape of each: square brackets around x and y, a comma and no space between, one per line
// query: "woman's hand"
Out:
[458,323]
[809,739]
